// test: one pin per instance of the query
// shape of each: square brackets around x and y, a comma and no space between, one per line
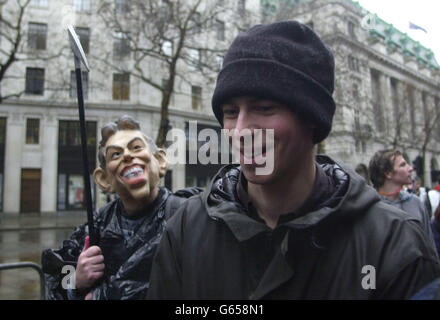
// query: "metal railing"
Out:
[37,267]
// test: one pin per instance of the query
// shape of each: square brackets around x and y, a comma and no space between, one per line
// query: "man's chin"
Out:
[251,174]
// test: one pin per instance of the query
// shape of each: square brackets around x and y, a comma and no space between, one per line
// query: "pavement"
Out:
[23,237]
[44,220]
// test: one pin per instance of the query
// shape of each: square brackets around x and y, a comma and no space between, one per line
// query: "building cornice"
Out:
[372,53]
[105,106]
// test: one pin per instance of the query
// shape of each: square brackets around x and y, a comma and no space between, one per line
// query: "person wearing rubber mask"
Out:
[128,228]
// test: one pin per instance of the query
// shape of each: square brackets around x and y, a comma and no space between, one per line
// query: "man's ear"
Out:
[161,157]
[388,175]
[100,177]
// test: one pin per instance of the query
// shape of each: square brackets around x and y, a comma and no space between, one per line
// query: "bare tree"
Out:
[167,41]
[431,120]
[11,37]
[14,30]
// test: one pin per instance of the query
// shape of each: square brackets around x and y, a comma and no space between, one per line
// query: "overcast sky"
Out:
[424,13]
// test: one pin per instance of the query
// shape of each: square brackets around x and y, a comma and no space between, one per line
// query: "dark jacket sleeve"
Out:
[166,273]
[53,261]
[420,264]
[411,279]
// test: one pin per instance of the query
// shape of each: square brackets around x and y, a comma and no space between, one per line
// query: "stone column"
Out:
[49,165]
[13,157]
[178,170]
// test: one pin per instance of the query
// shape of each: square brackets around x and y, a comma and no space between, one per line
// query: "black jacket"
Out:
[127,263]
[353,246]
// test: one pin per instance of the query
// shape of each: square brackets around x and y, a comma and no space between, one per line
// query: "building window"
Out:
[84,38]
[85,83]
[81,5]
[70,133]
[352,29]
[377,101]
[220,30]
[353,64]
[38,3]
[411,109]
[121,86]
[396,108]
[32,131]
[70,170]
[437,108]
[121,6]
[121,45]
[37,35]
[241,7]
[2,157]
[219,62]
[194,58]
[196,19]
[165,13]
[34,81]
[196,94]
[167,48]
[2,133]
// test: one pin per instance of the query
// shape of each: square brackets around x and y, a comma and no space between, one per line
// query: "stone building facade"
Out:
[40,157]
[387,94]
[387,88]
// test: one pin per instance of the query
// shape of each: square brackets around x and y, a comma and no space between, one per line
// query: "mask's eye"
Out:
[114,155]
[137,147]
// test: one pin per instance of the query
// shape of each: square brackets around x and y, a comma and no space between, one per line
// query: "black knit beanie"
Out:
[286,62]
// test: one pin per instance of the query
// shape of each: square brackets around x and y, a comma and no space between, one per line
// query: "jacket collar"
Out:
[222,202]
[113,224]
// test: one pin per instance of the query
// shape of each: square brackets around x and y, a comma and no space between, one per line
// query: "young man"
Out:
[311,228]
[389,172]
[433,196]
[128,228]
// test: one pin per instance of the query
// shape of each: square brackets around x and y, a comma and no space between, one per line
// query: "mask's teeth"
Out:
[133,172]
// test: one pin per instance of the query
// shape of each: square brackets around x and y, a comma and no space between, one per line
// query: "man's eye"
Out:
[265,108]
[229,112]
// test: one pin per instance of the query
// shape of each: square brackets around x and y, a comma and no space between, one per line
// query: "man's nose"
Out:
[245,121]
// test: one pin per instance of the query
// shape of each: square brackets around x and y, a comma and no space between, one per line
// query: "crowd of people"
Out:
[312,228]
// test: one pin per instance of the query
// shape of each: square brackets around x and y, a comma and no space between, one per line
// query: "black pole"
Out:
[86,175]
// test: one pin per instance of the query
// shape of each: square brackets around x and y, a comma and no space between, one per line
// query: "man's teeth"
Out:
[133,172]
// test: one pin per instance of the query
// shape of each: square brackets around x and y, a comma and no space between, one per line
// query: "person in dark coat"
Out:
[432,290]
[435,227]
[128,228]
[310,228]
[389,173]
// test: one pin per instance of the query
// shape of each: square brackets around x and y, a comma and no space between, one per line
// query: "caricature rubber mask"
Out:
[132,171]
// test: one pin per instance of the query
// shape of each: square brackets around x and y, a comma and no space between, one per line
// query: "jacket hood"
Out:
[350,198]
